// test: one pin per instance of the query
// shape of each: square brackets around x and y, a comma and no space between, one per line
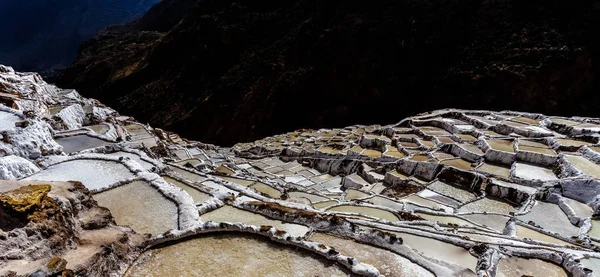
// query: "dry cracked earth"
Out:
[90,192]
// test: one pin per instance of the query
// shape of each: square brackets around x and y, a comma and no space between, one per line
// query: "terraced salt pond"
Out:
[382,201]
[388,263]
[231,255]
[99,129]
[8,120]
[501,145]
[80,142]
[420,201]
[488,205]
[241,182]
[527,233]
[218,188]
[533,172]
[146,165]
[140,134]
[312,197]
[452,191]
[188,175]
[581,210]
[471,148]
[198,196]
[193,162]
[495,169]
[266,190]
[94,174]
[297,165]
[140,206]
[545,150]
[374,212]
[444,219]
[518,267]
[495,222]
[526,120]
[434,196]
[324,204]
[466,137]
[551,218]
[584,165]
[231,214]
[458,163]
[571,142]
[355,194]
[592,264]
[440,250]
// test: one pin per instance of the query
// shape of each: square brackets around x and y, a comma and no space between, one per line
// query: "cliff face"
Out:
[58,229]
[234,71]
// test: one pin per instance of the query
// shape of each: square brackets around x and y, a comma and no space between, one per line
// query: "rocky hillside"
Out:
[44,35]
[234,71]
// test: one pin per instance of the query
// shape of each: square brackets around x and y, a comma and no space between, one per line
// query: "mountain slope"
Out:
[235,71]
[44,35]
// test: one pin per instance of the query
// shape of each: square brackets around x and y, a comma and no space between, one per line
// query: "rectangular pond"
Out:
[140,206]
[94,174]
[80,142]
[231,255]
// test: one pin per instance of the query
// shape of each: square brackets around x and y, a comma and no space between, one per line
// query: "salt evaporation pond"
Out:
[382,201]
[232,214]
[451,191]
[592,264]
[584,165]
[324,204]
[434,196]
[494,169]
[388,263]
[496,222]
[193,162]
[241,182]
[141,207]
[218,187]
[571,142]
[526,233]
[471,148]
[188,175]
[231,255]
[94,174]
[440,250]
[374,212]
[540,150]
[501,145]
[551,218]
[533,172]
[487,205]
[581,210]
[518,267]
[198,196]
[458,163]
[355,194]
[8,120]
[146,165]
[444,219]
[309,196]
[99,129]
[427,203]
[80,142]
[595,231]
[265,189]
